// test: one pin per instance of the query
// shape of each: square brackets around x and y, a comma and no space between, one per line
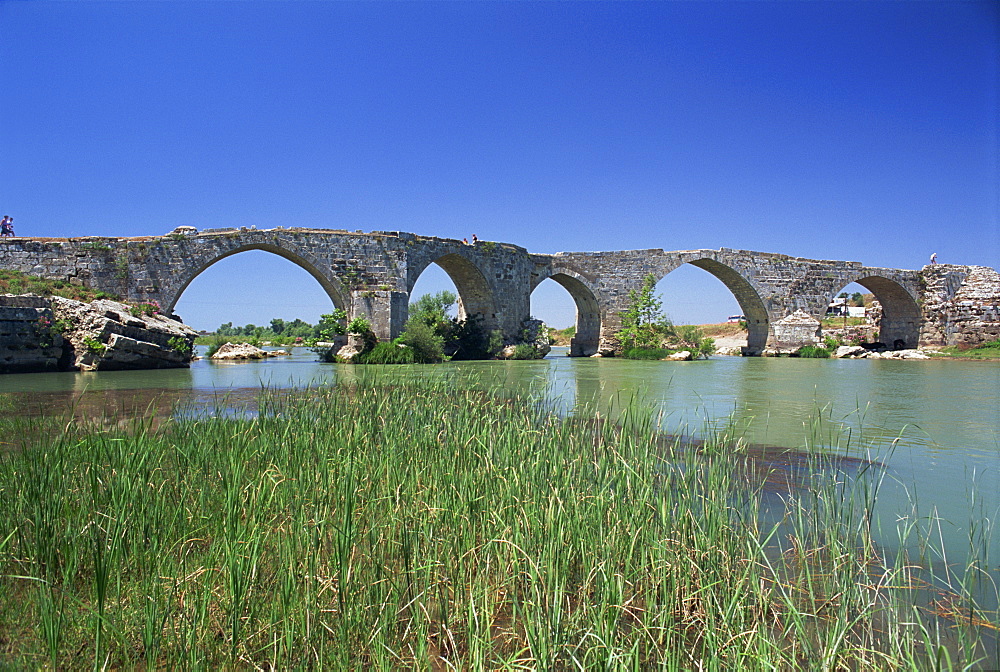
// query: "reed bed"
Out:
[419,526]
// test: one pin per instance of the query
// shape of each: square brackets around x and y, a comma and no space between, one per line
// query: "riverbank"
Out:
[424,525]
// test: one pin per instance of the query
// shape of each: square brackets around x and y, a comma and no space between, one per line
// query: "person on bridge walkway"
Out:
[7,227]
[933,257]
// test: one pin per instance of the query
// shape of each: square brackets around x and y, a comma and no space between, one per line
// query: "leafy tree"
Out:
[433,309]
[643,323]
[277,325]
[331,325]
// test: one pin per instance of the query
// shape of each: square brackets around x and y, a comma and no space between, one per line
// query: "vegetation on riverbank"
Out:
[398,527]
[990,350]
[646,332]
[15,282]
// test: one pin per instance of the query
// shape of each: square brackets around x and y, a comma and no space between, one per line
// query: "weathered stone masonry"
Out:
[372,275]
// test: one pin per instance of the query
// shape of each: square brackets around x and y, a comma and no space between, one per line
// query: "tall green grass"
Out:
[420,526]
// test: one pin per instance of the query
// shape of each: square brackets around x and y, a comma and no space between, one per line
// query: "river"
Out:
[936,424]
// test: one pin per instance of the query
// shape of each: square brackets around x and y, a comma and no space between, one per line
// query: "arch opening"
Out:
[254,288]
[432,281]
[587,318]
[474,294]
[888,314]
[691,298]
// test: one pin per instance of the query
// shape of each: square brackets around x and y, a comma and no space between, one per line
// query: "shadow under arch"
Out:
[754,310]
[901,315]
[587,339]
[475,297]
[331,287]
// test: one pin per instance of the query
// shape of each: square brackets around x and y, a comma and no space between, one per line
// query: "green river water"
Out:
[936,424]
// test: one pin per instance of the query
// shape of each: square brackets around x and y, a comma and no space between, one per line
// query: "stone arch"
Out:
[475,296]
[331,286]
[901,315]
[753,307]
[587,340]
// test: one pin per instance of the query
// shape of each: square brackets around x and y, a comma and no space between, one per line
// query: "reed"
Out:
[420,526]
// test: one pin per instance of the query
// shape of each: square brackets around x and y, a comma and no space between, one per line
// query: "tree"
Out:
[433,308]
[331,325]
[643,323]
[277,325]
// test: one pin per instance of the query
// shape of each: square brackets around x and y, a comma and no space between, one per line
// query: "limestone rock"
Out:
[680,356]
[54,334]
[849,351]
[106,336]
[898,354]
[230,351]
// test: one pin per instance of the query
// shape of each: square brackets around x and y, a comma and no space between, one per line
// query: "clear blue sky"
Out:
[834,130]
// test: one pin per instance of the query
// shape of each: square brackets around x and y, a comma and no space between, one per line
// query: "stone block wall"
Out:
[28,340]
[961,305]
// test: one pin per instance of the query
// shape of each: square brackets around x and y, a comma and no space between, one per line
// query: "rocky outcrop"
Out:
[860,352]
[961,305]
[109,336]
[231,351]
[40,334]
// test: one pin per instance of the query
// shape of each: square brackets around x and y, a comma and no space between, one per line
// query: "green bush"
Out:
[386,353]
[95,346]
[813,351]
[214,345]
[525,351]
[647,353]
[425,343]
[180,344]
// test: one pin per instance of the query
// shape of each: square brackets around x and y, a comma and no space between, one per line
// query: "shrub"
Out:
[94,346]
[813,351]
[145,308]
[180,344]
[217,342]
[525,351]
[386,353]
[647,353]
[425,343]
[707,348]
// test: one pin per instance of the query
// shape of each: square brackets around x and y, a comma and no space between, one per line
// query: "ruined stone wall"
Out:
[961,305]
[28,342]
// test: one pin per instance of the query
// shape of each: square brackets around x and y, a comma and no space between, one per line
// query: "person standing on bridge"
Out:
[933,257]
[7,227]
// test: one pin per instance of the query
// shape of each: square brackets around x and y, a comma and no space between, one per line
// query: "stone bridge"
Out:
[373,274]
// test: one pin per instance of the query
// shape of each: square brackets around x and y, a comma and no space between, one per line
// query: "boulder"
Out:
[230,351]
[680,356]
[898,354]
[849,351]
